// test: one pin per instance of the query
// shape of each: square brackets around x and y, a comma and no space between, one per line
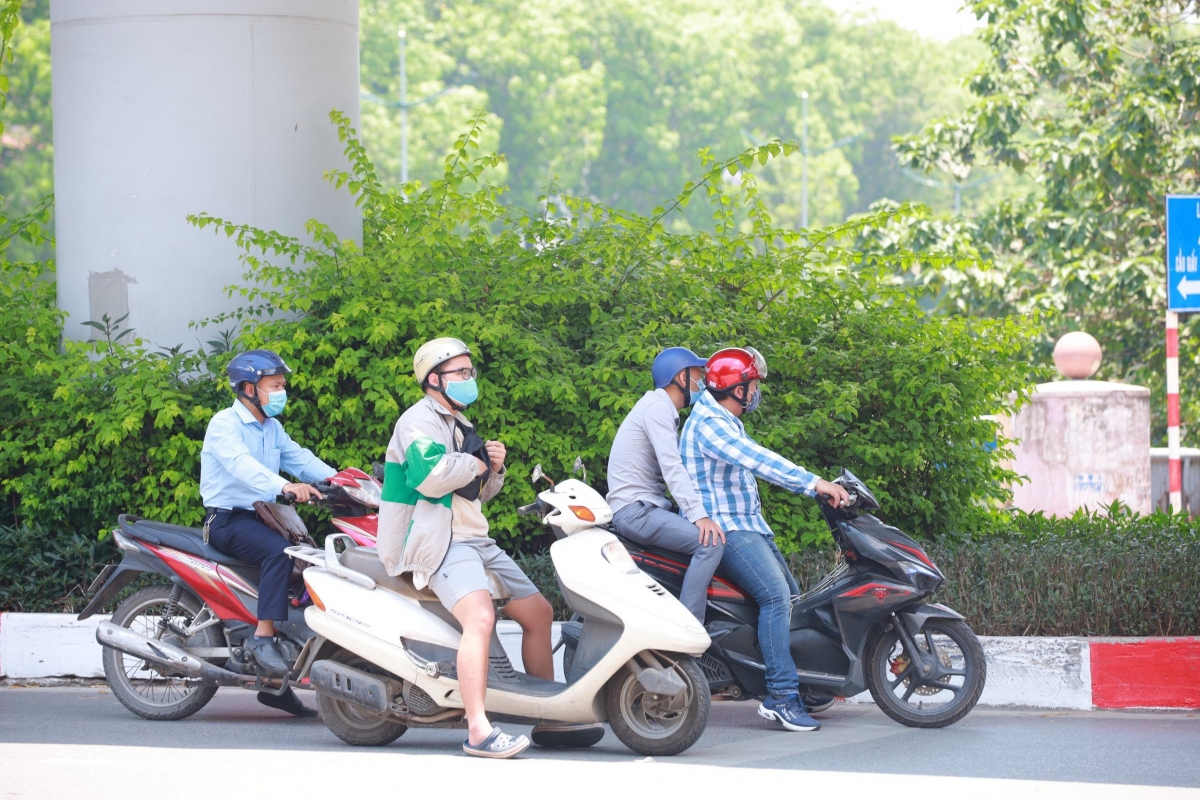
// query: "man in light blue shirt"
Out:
[244,449]
[724,460]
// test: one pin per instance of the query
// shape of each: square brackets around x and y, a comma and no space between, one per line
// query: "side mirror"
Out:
[538,475]
[579,467]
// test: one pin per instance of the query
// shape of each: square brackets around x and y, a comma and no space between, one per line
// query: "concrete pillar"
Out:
[164,108]
[1083,444]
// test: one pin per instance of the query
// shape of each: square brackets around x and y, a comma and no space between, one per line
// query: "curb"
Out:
[1033,672]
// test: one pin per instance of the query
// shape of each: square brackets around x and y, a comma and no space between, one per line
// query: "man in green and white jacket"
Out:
[431,523]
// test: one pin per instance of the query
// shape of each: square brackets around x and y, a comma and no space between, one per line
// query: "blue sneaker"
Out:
[789,711]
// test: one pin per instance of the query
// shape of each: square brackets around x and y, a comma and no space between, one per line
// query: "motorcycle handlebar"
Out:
[532,508]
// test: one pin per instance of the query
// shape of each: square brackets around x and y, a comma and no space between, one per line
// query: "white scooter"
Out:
[388,659]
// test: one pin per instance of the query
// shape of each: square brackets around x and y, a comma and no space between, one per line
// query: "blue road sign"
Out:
[1183,248]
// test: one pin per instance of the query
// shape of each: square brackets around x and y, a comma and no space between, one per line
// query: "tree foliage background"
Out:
[1097,104]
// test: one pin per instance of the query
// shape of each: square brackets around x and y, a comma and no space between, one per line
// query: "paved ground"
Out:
[81,743]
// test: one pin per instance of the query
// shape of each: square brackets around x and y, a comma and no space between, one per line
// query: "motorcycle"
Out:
[865,626]
[390,660]
[169,646]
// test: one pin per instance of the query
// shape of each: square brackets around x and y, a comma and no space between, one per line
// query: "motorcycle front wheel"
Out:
[916,699]
[653,724]
[137,683]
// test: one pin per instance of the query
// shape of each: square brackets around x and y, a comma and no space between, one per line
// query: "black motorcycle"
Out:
[866,625]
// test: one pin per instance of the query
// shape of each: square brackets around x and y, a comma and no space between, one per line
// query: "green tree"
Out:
[1096,102]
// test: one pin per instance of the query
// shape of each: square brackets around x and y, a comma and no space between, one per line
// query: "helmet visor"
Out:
[760,363]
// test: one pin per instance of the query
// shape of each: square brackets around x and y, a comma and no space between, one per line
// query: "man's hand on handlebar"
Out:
[302,492]
[832,493]
[710,532]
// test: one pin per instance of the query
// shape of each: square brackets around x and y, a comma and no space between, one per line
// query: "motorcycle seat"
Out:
[366,560]
[189,540]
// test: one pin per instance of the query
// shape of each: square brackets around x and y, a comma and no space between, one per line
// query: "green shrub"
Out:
[43,571]
[565,315]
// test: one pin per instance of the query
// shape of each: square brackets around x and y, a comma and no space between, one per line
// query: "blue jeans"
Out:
[757,566]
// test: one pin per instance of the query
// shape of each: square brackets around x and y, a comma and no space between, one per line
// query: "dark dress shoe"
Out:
[268,656]
[288,702]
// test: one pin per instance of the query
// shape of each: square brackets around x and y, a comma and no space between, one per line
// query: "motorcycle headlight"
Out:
[367,492]
[615,553]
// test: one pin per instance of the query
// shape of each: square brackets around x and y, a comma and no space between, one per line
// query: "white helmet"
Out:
[435,352]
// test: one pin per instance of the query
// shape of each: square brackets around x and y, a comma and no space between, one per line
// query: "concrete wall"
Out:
[169,108]
[1083,444]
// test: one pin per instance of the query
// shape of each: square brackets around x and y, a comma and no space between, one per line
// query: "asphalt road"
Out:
[81,743]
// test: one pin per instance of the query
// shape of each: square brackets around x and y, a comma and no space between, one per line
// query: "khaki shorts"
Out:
[467,567]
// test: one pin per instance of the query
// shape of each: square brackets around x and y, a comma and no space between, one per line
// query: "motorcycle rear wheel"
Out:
[894,680]
[352,724]
[653,725]
[138,684]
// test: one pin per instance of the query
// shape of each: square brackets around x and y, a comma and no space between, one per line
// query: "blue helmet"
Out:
[669,362]
[253,365]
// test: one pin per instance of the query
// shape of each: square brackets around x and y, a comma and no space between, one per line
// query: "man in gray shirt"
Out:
[644,462]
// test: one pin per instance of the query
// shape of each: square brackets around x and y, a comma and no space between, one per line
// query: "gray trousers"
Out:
[648,524]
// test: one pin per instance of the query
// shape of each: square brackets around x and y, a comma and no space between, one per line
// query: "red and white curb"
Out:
[1034,672]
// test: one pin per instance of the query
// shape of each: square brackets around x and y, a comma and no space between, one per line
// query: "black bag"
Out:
[473,445]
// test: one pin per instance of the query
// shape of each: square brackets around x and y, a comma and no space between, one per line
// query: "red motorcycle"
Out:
[169,646]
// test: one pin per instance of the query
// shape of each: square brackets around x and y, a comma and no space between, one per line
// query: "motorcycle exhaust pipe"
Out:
[369,692]
[166,656]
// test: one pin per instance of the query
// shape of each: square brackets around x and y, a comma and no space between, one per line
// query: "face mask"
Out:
[755,399]
[463,392]
[275,403]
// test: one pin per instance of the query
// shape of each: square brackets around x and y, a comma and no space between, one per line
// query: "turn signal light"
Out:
[316,600]
[583,512]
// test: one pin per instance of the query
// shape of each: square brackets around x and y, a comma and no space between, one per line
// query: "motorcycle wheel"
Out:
[900,691]
[654,725]
[354,725]
[137,683]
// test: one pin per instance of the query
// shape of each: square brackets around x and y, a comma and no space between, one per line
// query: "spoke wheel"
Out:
[933,688]
[137,683]
[654,724]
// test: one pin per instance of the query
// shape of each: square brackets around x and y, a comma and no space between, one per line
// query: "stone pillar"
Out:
[164,109]
[1083,443]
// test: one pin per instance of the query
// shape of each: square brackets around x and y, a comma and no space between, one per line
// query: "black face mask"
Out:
[473,445]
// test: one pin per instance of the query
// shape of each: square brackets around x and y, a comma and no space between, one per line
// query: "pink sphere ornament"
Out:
[1077,355]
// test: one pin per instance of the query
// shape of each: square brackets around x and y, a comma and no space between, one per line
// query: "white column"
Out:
[164,109]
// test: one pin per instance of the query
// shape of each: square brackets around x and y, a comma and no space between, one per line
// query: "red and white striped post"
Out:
[1174,467]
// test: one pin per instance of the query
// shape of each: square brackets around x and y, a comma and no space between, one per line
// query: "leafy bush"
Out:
[564,316]
[43,571]
[91,429]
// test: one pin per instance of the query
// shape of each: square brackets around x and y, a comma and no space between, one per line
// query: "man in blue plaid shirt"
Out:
[724,462]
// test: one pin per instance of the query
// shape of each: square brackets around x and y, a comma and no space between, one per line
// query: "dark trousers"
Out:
[239,533]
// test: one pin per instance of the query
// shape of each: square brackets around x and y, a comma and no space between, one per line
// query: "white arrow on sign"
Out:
[1187,287]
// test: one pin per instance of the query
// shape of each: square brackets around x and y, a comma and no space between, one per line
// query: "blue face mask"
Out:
[275,403]
[755,400]
[463,392]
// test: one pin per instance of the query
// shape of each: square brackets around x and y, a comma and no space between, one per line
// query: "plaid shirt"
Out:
[724,460]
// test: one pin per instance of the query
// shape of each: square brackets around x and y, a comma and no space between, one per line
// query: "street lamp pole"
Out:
[403,111]
[804,160]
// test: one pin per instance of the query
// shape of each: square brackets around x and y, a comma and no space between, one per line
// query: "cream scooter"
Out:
[388,659]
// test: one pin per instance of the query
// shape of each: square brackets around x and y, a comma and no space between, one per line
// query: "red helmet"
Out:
[733,365]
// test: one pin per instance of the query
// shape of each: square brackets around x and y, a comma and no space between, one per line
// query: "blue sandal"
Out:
[497,745]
